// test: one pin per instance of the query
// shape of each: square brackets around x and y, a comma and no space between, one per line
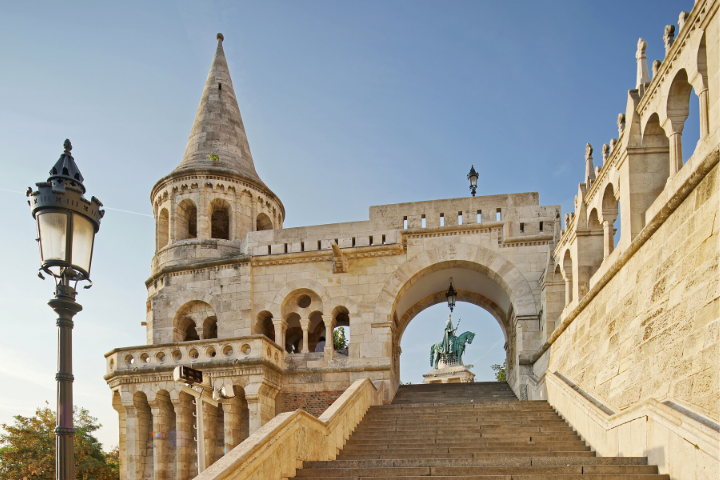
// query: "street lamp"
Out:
[451,296]
[66,226]
[473,178]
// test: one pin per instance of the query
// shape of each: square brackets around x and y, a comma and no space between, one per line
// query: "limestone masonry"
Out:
[621,338]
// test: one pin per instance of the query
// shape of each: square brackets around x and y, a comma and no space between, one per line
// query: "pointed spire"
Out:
[589,170]
[217,138]
[643,76]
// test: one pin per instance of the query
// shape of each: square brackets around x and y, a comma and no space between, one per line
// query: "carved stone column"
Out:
[184,434]
[329,322]
[261,404]
[122,445]
[608,238]
[704,120]
[676,155]
[568,289]
[305,325]
[171,221]
[280,329]
[163,422]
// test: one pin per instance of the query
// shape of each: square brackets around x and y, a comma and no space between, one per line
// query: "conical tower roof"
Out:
[217,139]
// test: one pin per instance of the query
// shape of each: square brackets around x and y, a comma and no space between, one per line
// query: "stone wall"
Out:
[315,403]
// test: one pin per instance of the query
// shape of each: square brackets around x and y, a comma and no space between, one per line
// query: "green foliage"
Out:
[405,383]
[27,449]
[214,158]
[500,371]
[339,338]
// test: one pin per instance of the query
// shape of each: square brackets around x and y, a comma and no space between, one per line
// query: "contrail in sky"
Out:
[106,208]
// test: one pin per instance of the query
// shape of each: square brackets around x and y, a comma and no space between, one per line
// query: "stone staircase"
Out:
[470,431]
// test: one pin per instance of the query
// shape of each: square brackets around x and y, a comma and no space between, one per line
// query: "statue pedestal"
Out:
[456,374]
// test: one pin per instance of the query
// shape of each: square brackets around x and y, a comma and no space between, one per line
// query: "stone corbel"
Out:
[339,260]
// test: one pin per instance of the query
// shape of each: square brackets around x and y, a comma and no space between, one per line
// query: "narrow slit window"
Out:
[442,219]
[336,242]
[541,226]
[371,240]
[353,243]
[219,86]
[268,249]
[383,239]
[286,249]
[404,225]
[498,215]
[479,216]
[424,222]
[460,218]
[319,245]
[522,228]
[302,246]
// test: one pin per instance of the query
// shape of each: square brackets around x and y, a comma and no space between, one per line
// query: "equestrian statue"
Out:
[452,346]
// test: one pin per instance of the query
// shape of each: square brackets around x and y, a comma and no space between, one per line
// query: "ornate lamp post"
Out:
[66,225]
[451,296]
[473,178]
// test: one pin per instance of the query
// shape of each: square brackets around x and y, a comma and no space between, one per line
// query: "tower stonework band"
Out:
[619,336]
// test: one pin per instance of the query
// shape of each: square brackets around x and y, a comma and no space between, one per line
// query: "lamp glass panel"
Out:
[53,235]
[83,235]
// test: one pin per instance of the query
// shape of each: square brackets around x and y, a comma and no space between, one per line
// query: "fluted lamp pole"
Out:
[66,228]
[473,178]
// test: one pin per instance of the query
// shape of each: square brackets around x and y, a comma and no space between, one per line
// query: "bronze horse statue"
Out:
[457,348]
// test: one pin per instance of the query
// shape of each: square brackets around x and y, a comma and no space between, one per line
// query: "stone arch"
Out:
[263,222]
[186,222]
[163,228]
[491,264]
[303,284]
[264,325]
[677,105]
[652,134]
[191,319]
[220,219]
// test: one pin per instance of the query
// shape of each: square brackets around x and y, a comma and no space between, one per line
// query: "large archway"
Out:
[482,277]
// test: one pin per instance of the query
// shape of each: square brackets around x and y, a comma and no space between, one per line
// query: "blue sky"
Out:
[346,105]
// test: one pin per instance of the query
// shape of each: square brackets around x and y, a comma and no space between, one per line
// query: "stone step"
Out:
[531,476]
[470,438]
[410,454]
[450,448]
[477,471]
[481,462]
[463,441]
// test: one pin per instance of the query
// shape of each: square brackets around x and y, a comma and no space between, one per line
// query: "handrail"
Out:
[279,447]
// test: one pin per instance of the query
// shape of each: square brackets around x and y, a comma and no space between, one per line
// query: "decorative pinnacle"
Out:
[68,146]
[588,152]
[220,37]
[641,46]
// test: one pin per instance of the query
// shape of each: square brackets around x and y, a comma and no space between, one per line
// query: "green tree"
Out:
[27,449]
[339,339]
[500,371]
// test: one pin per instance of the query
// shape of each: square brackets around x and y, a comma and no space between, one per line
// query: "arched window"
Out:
[162,228]
[220,219]
[186,220]
[264,325]
[190,332]
[210,328]
[264,222]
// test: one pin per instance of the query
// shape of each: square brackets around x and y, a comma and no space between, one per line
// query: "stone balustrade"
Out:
[199,354]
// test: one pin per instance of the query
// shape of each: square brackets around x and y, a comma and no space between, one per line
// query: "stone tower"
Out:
[205,208]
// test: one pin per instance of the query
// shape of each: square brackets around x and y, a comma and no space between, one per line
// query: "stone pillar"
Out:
[568,289]
[132,444]
[210,414]
[122,445]
[184,435]
[203,224]
[280,329]
[305,325]
[704,120]
[261,404]
[609,234]
[329,322]
[235,420]
[171,221]
[676,155]
[163,454]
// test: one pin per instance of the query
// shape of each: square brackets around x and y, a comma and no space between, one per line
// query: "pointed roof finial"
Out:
[643,76]
[65,171]
[220,37]
[589,170]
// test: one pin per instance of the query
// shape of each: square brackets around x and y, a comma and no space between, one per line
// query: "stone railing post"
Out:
[305,325]
[329,322]
[280,329]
